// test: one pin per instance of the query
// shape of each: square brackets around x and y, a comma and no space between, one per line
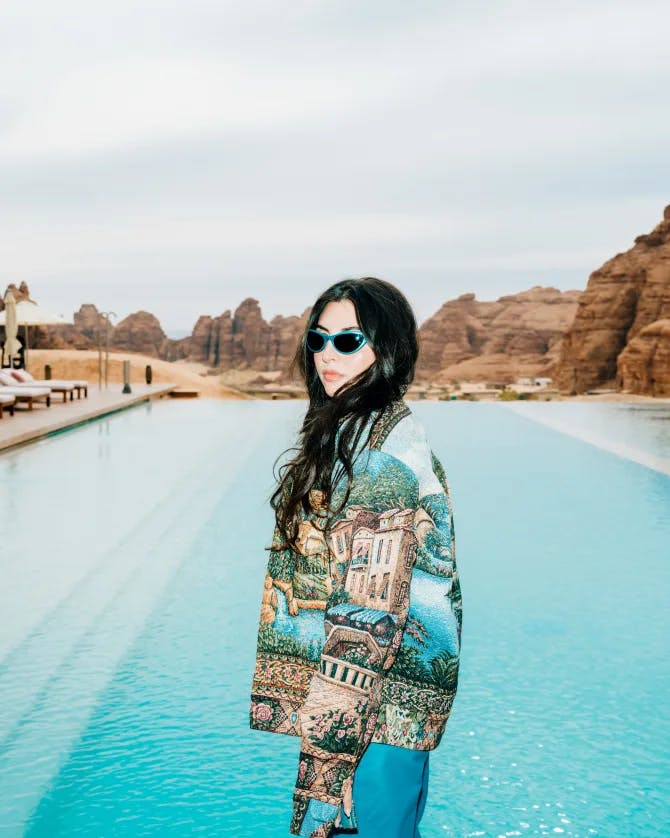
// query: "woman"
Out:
[360,625]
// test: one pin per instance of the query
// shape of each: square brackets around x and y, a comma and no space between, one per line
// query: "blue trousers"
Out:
[389,792]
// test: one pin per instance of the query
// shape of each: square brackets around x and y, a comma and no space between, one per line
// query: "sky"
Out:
[178,157]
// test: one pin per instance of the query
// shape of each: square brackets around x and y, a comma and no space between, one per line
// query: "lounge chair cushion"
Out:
[44,382]
[7,378]
[20,391]
[22,375]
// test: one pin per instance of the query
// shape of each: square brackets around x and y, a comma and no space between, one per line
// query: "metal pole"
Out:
[106,315]
[99,333]
[106,352]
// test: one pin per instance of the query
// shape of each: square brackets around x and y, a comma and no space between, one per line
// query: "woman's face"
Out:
[333,368]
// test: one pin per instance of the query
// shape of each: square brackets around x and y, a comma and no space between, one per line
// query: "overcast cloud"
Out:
[181,156]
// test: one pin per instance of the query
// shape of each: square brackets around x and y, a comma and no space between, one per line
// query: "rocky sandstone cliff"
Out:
[644,365]
[245,340]
[140,332]
[517,334]
[20,292]
[620,335]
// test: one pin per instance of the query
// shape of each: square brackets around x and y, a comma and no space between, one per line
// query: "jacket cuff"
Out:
[309,813]
[348,822]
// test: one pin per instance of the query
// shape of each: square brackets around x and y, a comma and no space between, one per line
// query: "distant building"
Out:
[533,381]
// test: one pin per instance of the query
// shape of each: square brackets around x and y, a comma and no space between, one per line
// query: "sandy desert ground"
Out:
[83,363]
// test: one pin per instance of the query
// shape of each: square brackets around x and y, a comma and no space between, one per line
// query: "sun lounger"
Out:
[54,386]
[59,385]
[27,394]
[7,401]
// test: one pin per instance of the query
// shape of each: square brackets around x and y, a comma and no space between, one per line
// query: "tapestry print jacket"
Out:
[359,639]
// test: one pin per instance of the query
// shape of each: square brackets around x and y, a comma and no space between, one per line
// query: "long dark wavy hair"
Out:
[387,320]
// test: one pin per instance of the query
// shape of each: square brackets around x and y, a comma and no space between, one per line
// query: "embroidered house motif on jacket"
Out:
[359,638]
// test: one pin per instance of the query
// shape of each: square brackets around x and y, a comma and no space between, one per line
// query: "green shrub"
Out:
[508,395]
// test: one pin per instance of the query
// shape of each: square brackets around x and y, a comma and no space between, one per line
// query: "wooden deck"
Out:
[27,425]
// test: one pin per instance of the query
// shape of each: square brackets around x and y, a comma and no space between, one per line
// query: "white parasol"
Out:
[29,313]
[12,346]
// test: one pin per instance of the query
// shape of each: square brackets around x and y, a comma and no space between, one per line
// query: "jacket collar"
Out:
[387,420]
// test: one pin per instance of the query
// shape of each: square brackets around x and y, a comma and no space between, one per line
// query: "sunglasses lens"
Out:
[348,342]
[315,341]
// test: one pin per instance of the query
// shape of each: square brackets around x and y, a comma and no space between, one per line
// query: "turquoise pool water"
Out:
[131,560]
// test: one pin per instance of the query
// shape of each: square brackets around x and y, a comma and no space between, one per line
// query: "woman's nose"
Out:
[329,353]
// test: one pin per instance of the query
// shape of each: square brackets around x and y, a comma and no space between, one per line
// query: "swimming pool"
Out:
[130,598]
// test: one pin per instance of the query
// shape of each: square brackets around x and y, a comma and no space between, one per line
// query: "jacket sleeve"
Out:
[364,622]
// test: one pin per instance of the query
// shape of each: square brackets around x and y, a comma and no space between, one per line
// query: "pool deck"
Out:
[27,425]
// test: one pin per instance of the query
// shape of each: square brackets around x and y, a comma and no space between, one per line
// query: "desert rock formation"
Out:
[620,334]
[244,340]
[19,293]
[643,367]
[140,332]
[517,334]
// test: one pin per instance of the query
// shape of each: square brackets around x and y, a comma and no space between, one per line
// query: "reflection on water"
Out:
[639,432]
